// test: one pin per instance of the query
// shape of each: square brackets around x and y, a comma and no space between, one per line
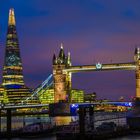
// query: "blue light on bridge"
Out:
[74,105]
[129,104]
[73,109]
[126,104]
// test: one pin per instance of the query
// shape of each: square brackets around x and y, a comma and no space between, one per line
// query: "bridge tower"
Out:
[62,79]
[137,61]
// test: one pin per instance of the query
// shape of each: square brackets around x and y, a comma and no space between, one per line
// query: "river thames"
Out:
[20,121]
[130,137]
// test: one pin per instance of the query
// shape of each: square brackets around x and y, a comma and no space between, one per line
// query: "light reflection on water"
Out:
[62,120]
[131,137]
[46,138]
[21,121]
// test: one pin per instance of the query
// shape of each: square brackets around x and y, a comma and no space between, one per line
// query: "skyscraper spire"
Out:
[11,20]
[13,81]
[12,71]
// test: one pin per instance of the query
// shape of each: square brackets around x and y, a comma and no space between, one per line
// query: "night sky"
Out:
[105,31]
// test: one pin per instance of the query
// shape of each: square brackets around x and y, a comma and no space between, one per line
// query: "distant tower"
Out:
[137,61]
[62,80]
[12,70]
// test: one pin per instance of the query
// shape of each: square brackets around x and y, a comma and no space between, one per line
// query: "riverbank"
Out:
[70,136]
[94,135]
[18,134]
[91,136]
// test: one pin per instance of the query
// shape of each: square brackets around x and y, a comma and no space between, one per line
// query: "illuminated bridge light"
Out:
[130,104]
[73,109]
[98,65]
[126,104]
[74,105]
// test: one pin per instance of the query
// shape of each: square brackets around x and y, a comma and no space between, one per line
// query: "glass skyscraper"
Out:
[13,81]
[12,70]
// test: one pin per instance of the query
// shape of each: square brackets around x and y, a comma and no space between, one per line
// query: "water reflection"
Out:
[62,120]
[130,137]
[46,138]
[22,121]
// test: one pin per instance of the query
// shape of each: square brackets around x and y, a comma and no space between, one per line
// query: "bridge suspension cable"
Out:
[45,85]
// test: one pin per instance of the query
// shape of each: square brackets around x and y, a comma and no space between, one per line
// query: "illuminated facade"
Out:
[47,96]
[77,96]
[90,98]
[3,95]
[137,61]
[12,70]
[62,80]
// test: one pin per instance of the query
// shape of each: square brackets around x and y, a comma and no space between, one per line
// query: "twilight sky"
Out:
[93,31]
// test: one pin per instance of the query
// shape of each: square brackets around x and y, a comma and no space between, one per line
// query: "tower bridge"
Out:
[63,69]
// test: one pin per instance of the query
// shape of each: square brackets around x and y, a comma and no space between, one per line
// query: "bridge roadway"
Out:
[102,67]
[6,107]
[22,106]
[46,111]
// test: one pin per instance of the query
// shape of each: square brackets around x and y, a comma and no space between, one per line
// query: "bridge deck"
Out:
[102,67]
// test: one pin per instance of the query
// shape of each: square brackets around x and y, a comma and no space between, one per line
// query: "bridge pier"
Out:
[0,120]
[82,120]
[91,117]
[83,111]
[9,116]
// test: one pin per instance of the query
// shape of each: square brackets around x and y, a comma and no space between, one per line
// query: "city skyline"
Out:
[79,25]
